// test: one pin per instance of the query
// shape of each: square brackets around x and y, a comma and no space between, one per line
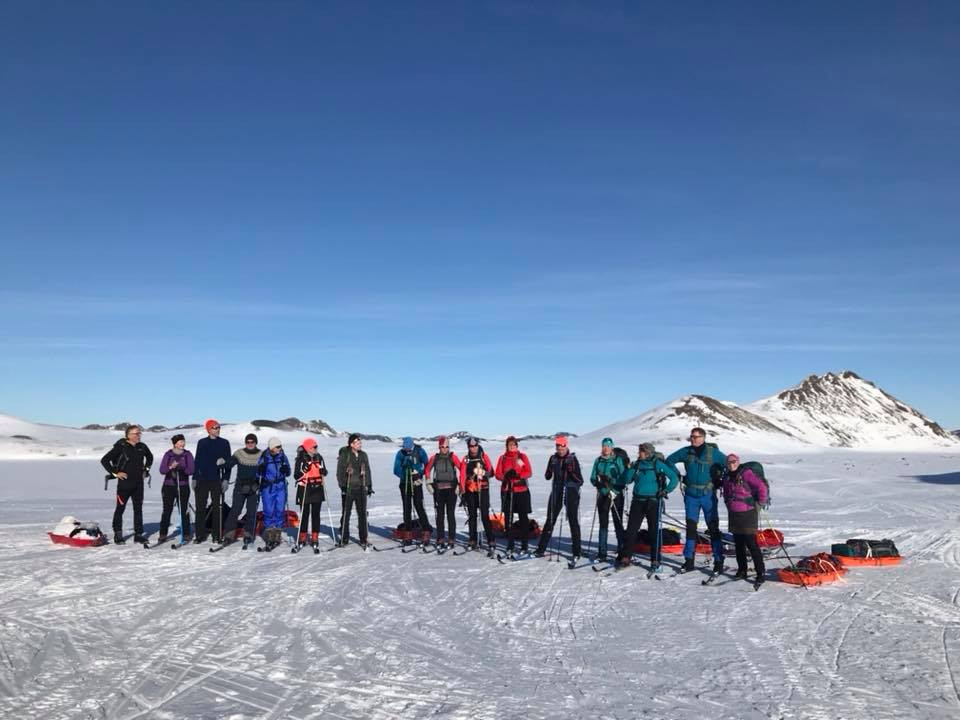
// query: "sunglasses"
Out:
[250,442]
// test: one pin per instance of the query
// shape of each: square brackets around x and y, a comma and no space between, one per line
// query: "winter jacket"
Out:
[517,465]
[273,468]
[353,472]
[182,471]
[247,463]
[414,461]
[206,470]
[309,471]
[443,471]
[743,490]
[134,460]
[564,471]
[606,473]
[471,479]
[696,465]
[643,474]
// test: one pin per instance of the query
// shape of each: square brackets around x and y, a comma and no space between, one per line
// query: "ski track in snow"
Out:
[118,632]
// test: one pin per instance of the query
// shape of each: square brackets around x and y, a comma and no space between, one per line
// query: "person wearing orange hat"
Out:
[563,469]
[211,478]
[309,470]
[442,475]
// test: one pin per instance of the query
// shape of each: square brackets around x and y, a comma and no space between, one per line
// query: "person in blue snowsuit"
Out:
[273,470]
[700,494]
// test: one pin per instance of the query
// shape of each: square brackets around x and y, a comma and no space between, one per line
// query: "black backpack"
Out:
[622,454]
[873,548]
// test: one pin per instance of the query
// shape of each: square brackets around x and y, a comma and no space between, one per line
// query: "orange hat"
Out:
[309,444]
[210,424]
[561,441]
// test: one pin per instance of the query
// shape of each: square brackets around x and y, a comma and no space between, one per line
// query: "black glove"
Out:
[510,475]
[369,491]
[661,493]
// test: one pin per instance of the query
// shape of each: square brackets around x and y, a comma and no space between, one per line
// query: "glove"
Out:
[662,494]
[221,461]
[430,488]
[510,475]
[146,476]
[765,506]
[173,464]
[415,476]
[193,483]
[369,491]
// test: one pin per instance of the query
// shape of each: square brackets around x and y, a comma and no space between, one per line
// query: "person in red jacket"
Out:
[513,471]
[441,474]
[475,472]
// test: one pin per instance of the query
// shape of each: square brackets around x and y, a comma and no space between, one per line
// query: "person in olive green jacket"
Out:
[605,477]
[653,480]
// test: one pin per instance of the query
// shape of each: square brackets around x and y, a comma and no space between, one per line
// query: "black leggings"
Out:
[742,543]
[169,495]
[481,499]
[413,501]
[446,503]
[553,512]
[642,509]
[208,492]
[245,497]
[349,502]
[311,517]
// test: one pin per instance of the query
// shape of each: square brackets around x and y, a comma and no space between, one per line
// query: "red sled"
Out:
[769,537]
[291,520]
[72,532]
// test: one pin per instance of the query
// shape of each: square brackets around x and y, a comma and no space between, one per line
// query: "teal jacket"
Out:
[697,467]
[643,475]
[612,469]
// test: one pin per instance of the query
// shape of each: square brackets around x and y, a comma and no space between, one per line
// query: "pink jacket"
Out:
[743,490]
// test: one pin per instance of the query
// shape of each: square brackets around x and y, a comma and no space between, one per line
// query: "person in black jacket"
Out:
[309,470]
[246,491]
[353,477]
[129,461]
[211,477]
[563,469]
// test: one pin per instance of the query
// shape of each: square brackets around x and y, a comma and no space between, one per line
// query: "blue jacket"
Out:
[643,475]
[205,468]
[413,460]
[697,467]
[273,468]
[611,468]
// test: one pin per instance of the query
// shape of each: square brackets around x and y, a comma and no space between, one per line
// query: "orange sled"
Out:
[700,549]
[868,561]
[818,569]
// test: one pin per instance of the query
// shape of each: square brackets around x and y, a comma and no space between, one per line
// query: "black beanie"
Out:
[250,436]
[353,436]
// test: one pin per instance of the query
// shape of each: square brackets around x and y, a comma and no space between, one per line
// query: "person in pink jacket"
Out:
[743,493]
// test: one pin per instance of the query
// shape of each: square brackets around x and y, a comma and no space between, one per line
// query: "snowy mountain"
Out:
[844,410]
[727,424]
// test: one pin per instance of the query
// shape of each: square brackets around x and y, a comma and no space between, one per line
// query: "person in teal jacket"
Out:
[605,477]
[700,494]
[653,480]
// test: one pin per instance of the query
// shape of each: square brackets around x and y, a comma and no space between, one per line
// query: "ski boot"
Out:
[118,539]
[717,567]
[688,565]
[740,575]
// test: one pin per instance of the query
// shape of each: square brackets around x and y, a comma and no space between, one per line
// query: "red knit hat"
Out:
[442,440]
[561,441]
[210,424]
[309,444]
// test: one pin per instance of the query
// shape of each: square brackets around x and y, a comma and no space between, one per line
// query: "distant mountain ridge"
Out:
[840,410]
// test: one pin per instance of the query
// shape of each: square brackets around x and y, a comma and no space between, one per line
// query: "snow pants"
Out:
[168,493]
[351,501]
[708,505]
[129,490]
[445,502]
[742,543]
[479,501]
[245,497]
[558,498]
[413,501]
[274,499]
[604,506]
[208,492]
[642,508]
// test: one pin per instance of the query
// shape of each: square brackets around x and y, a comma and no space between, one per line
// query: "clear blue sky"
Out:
[502,217]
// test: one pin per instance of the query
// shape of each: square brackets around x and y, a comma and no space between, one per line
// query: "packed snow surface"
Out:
[122,632]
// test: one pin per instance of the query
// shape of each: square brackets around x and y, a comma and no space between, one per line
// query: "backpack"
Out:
[757,469]
[622,454]
[873,548]
[444,471]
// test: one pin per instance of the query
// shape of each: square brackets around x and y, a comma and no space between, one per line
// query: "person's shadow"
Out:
[952,478]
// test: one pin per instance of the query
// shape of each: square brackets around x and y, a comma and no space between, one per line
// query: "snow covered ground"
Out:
[122,632]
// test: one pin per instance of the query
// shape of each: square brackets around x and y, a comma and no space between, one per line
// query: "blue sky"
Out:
[502,217]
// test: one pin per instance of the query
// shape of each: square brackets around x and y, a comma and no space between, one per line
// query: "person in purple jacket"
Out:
[176,468]
[743,492]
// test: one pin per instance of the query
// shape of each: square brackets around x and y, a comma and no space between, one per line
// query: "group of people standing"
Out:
[262,480]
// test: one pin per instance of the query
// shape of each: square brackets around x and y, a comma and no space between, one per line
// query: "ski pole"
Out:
[593,522]
[550,512]
[303,504]
[659,540]
[563,503]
